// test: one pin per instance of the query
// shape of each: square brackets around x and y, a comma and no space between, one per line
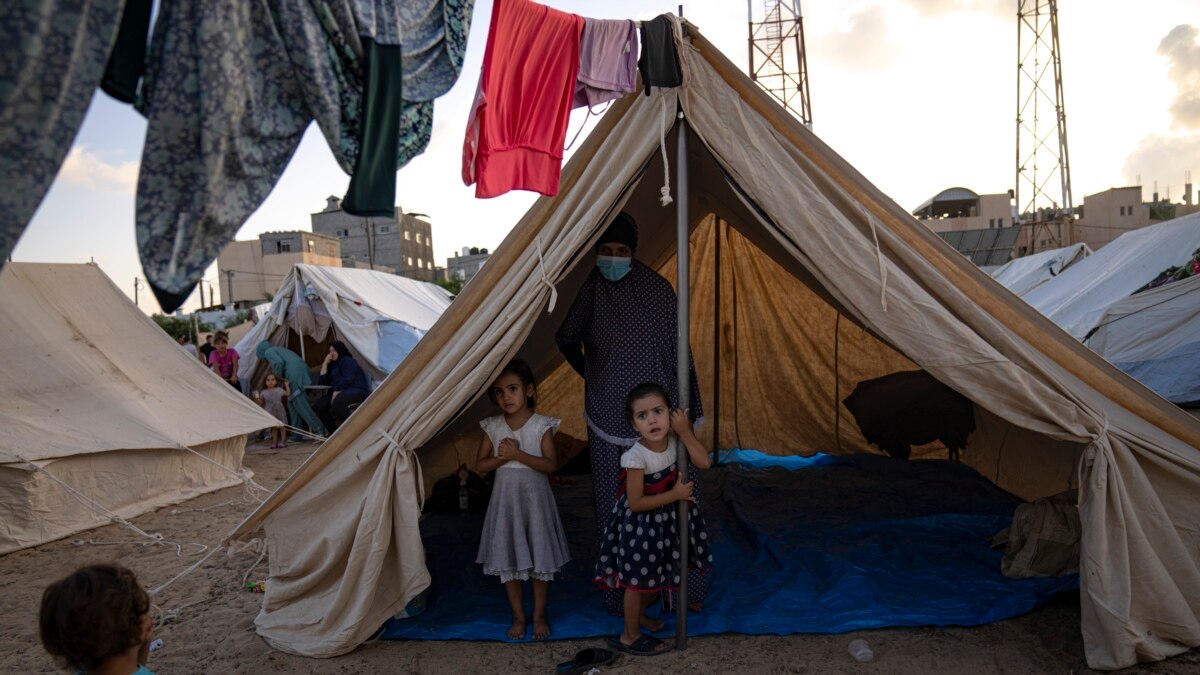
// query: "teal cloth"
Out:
[287,364]
[372,191]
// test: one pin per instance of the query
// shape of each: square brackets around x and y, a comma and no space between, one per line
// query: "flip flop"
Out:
[585,660]
[646,645]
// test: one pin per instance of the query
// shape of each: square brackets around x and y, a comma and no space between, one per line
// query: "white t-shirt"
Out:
[641,457]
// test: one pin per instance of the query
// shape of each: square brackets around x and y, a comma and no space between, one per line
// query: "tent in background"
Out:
[1155,337]
[379,316]
[98,404]
[1022,275]
[1077,298]
[805,280]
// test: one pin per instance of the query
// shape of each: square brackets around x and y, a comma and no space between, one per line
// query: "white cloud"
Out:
[865,45]
[1183,54]
[1163,158]
[84,168]
[943,7]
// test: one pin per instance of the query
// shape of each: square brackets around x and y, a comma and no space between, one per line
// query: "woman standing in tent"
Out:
[619,333]
[288,365]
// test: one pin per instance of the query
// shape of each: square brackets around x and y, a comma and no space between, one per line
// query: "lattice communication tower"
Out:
[1043,170]
[777,60]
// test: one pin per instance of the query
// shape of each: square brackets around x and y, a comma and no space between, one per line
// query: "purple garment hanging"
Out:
[608,54]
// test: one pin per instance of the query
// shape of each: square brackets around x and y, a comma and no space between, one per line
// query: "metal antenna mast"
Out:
[777,59]
[1043,170]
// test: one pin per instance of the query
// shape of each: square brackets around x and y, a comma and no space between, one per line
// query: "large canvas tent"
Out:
[1155,337]
[379,316]
[823,281]
[1022,275]
[100,411]
[1077,298]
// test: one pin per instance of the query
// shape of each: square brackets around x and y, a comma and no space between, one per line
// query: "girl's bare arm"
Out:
[484,461]
[639,501]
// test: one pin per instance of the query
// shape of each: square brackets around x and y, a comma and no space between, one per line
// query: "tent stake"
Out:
[682,352]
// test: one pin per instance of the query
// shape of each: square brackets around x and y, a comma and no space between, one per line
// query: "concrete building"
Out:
[466,265]
[257,267]
[958,208]
[1111,213]
[403,242]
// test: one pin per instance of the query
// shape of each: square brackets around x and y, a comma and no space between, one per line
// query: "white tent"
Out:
[1022,275]
[1077,298]
[1155,337]
[379,316]
[824,281]
[101,412]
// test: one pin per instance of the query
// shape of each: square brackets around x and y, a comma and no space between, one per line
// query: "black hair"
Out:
[92,615]
[525,374]
[640,392]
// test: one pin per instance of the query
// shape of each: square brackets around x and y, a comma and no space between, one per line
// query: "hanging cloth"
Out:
[413,53]
[659,63]
[608,55]
[518,123]
[228,93]
[52,56]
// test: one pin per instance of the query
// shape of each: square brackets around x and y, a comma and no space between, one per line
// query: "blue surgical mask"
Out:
[613,268]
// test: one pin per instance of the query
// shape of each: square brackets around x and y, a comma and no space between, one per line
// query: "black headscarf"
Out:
[340,347]
[622,230]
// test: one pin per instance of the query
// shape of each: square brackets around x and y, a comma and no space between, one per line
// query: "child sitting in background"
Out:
[97,621]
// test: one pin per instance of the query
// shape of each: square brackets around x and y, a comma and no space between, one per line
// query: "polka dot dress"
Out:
[641,550]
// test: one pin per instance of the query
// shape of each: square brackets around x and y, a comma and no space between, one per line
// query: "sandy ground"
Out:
[207,620]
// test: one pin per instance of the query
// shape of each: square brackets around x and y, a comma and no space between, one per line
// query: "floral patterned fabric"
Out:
[230,88]
[52,56]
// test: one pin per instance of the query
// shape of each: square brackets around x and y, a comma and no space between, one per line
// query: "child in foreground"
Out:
[97,621]
[523,537]
[640,551]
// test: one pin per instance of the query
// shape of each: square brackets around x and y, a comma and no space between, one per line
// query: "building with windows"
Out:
[958,208]
[250,271]
[466,265]
[403,242]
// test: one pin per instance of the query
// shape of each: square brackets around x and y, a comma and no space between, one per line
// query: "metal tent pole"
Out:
[682,352]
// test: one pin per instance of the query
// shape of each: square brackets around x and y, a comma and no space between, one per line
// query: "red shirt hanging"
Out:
[518,123]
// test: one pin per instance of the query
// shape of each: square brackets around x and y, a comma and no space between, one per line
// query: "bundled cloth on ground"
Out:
[101,412]
[823,282]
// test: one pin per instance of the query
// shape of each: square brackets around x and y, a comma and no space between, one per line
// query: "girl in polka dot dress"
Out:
[640,550]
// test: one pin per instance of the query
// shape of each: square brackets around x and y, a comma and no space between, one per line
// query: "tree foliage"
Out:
[453,284]
[176,326]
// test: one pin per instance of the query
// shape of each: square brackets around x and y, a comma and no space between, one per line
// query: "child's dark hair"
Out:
[525,374]
[92,616]
[640,392]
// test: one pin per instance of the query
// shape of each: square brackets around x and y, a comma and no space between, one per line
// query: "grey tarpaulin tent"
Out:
[824,282]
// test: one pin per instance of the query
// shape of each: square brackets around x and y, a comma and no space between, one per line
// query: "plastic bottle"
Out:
[861,651]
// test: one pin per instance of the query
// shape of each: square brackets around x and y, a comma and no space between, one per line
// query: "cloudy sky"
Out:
[919,95]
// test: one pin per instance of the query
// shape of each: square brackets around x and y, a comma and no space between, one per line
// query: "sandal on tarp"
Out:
[585,660]
[646,645]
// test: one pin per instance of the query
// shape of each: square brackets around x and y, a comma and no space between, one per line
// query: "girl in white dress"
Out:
[522,534]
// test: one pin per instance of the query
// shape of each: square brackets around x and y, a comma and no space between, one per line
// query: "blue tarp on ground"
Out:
[801,545]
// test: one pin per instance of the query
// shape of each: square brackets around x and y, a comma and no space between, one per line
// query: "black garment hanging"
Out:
[659,63]
[372,191]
